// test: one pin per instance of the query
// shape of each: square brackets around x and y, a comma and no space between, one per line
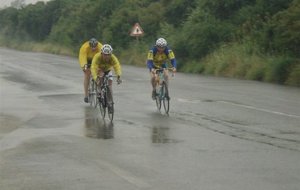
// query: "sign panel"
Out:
[136,30]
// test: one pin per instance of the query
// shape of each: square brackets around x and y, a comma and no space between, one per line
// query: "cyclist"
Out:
[157,58]
[86,54]
[103,63]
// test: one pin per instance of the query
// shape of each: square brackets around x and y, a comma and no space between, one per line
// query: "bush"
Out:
[279,69]
[294,76]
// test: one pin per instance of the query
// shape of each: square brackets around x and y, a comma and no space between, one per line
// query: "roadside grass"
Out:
[246,62]
[37,47]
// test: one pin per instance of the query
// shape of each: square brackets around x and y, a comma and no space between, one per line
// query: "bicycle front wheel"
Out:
[110,104]
[102,104]
[166,98]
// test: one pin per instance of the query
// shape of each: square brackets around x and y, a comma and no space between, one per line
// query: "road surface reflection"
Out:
[95,126]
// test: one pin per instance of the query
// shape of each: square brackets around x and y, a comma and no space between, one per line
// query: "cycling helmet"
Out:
[106,49]
[161,42]
[93,43]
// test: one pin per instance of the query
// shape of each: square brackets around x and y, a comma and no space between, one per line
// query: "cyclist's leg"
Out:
[153,82]
[166,75]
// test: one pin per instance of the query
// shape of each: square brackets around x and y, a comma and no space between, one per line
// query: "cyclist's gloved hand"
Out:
[119,81]
[84,68]
[173,71]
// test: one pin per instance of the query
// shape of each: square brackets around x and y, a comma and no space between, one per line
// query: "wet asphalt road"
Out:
[221,133]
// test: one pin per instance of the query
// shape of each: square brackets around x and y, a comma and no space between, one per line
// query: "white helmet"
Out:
[161,42]
[106,49]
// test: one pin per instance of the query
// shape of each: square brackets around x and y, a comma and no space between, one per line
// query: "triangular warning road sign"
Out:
[136,30]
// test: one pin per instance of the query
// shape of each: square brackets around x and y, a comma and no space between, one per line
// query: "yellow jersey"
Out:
[86,53]
[99,63]
[158,60]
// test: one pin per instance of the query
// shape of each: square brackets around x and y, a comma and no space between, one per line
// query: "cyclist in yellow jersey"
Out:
[86,54]
[157,58]
[103,63]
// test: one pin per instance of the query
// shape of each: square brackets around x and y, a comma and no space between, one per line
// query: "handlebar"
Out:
[119,80]
[162,69]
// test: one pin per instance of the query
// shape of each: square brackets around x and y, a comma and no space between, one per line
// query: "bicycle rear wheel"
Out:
[90,91]
[92,94]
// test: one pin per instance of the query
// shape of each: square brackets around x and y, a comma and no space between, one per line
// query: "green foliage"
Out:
[285,27]
[178,10]
[201,34]
[9,21]
[224,9]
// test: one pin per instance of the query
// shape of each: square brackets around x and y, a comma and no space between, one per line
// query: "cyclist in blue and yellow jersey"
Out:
[86,54]
[103,63]
[157,58]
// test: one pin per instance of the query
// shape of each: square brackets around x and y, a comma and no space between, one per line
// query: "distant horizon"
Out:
[7,3]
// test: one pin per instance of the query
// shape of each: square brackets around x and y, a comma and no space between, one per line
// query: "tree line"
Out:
[195,29]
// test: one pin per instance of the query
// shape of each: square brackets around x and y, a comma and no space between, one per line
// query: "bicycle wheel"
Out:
[92,94]
[102,104]
[158,98]
[90,91]
[110,105]
[166,98]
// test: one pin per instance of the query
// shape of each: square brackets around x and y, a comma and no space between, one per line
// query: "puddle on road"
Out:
[31,83]
[162,135]
[57,99]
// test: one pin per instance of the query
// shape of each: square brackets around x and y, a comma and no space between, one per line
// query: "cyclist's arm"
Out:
[116,65]
[150,63]
[172,58]
[94,66]
[83,56]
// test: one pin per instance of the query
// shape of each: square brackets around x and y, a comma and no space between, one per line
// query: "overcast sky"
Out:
[4,3]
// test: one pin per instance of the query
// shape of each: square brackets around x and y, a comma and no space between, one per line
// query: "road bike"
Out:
[105,98]
[162,92]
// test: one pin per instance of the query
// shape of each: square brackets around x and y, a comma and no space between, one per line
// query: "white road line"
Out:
[260,109]
[241,105]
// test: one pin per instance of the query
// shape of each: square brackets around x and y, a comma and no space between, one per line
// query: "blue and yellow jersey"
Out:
[158,60]
[86,53]
[99,63]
